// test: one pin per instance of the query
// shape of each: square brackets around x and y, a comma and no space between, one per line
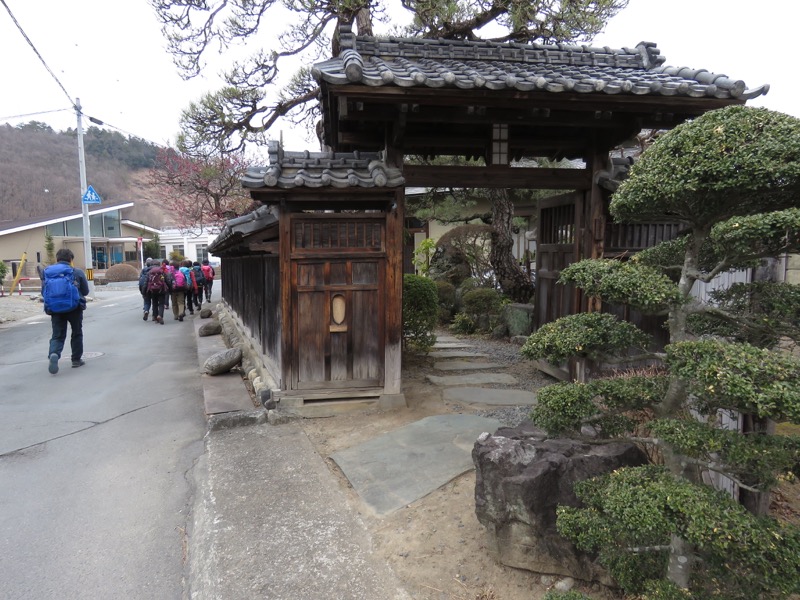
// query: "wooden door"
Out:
[339,323]
[558,245]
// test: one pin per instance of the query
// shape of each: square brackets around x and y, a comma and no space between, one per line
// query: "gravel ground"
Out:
[14,307]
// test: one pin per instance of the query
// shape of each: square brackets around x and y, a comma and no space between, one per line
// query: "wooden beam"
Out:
[497,177]
[268,247]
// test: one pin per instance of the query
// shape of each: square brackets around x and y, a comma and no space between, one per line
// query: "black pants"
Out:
[59,323]
[159,302]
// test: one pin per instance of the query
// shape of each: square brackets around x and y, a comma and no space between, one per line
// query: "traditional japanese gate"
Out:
[338,280]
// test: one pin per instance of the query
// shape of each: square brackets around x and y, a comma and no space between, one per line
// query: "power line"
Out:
[30,43]
[34,114]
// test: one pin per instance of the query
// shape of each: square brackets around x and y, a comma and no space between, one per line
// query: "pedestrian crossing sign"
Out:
[90,196]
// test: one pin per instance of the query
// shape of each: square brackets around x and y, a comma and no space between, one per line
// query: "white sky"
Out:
[111,55]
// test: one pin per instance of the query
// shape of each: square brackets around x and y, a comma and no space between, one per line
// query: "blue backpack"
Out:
[59,291]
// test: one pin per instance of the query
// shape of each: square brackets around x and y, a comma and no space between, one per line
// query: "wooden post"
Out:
[288,319]
[394,296]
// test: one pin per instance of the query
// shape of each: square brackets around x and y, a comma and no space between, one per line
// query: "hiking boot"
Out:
[77,363]
[160,320]
[53,366]
[146,314]
[180,318]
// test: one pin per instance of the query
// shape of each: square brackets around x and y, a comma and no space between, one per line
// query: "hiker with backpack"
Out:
[178,294]
[209,274]
[148,264]
[158,286]
[64,290]
[191,285]
[200,280]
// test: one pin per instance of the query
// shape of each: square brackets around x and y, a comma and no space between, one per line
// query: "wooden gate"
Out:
[558,246]
[338,334]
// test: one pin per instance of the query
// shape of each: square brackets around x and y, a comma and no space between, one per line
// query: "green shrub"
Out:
[482,301]
[447,300]
[3,270]
[571,595]
[463,324]
[420,312]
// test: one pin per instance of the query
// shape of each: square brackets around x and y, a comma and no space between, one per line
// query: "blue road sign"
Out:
[90,196]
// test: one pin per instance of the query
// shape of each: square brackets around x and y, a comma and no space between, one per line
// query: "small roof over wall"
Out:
[307,181]
[440,92]
[312,170]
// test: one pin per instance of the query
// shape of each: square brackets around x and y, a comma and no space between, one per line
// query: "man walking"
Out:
[64,290]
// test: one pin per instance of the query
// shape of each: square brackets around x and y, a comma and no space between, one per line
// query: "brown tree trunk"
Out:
[756,502]
[512,279]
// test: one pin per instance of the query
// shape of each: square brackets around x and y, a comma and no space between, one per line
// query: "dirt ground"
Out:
[436,546]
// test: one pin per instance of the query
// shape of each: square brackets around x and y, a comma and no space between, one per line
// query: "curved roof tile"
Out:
[440,63]
[322,169]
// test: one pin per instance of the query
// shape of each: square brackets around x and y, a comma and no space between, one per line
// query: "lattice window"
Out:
[557,225]
[343,235]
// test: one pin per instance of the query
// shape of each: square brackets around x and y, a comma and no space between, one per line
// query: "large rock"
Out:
[521,477]
[222,362]
[210,328]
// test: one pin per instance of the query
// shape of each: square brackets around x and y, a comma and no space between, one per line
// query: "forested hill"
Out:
[39,171]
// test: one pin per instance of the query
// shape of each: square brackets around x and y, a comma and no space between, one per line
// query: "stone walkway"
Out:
[397,468]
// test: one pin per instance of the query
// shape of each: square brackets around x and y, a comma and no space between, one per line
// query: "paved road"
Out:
[96,462]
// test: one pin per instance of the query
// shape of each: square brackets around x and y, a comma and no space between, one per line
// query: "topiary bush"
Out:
[420,312]
[483,307]
[122,272]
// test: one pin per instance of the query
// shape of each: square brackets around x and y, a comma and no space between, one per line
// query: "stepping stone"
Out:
[465,365]
[476,395]
[451,345]
[473,379]
[456,354]
[447,338]
[395,469]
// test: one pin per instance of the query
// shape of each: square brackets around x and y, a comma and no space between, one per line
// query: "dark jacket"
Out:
[143,279]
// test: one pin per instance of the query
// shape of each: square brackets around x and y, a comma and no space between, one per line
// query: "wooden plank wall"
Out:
[251,287]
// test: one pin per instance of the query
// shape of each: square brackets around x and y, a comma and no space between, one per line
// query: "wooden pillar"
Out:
[287,316]
[394,296]
[595,215]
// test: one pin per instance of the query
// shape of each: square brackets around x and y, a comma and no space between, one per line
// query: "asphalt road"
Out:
[96,463]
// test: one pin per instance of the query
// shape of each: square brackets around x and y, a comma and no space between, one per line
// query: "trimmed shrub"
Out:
[420,312]
[447,301]
[483,307]
[122,272]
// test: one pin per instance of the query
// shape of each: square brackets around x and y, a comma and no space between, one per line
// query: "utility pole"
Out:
[87,239]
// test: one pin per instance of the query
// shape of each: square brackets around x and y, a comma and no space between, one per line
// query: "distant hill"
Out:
[39,171]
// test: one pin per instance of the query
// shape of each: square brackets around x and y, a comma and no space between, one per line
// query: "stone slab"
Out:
[452,345]
[456,354]
[404,465]
[473,379]
[465,365]
[221,393]
[476,395]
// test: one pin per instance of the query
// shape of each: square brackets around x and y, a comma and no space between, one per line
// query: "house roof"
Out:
[289,170]
[468,65]
[8,227]
[443,97]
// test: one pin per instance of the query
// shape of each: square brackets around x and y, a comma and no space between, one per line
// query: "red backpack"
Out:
[208,272]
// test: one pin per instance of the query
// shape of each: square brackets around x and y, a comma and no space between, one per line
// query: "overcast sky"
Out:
[111,55]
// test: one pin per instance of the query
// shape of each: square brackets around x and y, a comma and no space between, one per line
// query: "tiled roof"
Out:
[439,63]
[236,230]
[322,169]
